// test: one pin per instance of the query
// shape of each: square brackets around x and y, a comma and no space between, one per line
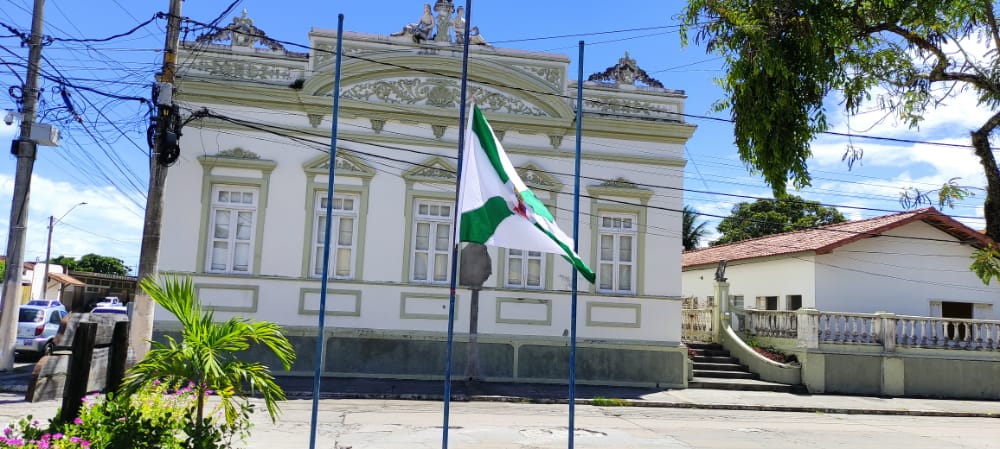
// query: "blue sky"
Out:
[102,157]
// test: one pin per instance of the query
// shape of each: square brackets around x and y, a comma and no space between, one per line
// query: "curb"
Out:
[648,404]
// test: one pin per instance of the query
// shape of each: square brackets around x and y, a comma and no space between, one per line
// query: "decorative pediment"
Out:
[347,165]
[620,187]
[536,178]
[437,92]
[241,33]
[238,153]
[626,73]
[434,170]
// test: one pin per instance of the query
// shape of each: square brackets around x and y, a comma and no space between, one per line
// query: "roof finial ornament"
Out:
[242,34]
[626,73]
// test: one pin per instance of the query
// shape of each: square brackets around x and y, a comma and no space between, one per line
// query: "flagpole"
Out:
[576,248]
[320,330]
[454,247]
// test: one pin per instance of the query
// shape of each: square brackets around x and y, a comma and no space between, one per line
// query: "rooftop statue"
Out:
[421,30]
[444,9]
[459,25]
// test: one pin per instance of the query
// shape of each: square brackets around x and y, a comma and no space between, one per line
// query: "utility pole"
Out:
[24,148]
[163,153]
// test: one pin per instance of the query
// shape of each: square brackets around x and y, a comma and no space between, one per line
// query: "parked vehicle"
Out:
[110,301]
[47,303]
[37,327]
[122,310]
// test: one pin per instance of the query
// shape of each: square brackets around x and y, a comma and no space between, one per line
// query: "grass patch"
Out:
[609,402]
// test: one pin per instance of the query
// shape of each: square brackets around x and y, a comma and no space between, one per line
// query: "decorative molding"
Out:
[437,92]
[633,321]
[551,75]
[377,125]
[241,33]
[620,183]
[620,187]
[500,133]
[439,131]
[238,153]
[201,290]
[315,119]
[423,306]
[355,294]
[630,106]
[524,304]
[347,164]
[555,140]
[627,73]
[535,177]
[240,69]
[433,170]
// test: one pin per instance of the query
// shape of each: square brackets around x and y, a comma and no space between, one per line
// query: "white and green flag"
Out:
[495,206]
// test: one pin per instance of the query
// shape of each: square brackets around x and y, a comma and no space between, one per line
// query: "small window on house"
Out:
[737,301]
[770,303]
[793,302]
[959,310]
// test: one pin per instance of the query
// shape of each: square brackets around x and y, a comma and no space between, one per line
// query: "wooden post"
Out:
[78,373]
[117,355]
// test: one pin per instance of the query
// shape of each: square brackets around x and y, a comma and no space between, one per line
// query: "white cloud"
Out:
[103,226]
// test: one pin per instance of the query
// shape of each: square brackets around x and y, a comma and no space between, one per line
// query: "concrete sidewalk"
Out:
[299,388]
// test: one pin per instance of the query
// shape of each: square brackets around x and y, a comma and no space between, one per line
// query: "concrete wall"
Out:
[359,353]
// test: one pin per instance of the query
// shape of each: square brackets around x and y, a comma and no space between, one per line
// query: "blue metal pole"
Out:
[454,247]
[576,247]
[320,330]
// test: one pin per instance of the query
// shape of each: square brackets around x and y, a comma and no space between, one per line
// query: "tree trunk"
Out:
[991,206]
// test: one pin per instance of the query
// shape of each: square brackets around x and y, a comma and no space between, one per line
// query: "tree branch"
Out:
[992,20]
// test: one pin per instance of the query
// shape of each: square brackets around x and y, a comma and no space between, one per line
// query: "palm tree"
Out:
[207,354]
[692,233]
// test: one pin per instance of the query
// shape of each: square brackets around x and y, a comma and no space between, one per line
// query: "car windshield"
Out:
[30,316]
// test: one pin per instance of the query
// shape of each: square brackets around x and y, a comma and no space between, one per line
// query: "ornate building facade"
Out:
[247,199]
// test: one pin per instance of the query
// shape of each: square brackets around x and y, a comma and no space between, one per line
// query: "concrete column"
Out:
[720,313]
[886,330]
[807,320]
[893,376]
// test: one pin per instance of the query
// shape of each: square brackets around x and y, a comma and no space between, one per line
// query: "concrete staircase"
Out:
[714,368]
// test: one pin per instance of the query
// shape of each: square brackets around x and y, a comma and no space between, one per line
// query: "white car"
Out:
[37,327]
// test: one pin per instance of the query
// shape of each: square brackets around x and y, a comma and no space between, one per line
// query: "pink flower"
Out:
[57,436]
[77,421]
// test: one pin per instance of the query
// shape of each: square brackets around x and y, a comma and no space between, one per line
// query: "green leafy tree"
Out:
[68,262]
[767,217]
[101,264]
[692,232]
[784,57]
[208,353]
[3,268]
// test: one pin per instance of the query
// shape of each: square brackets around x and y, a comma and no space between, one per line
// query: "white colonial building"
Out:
[246,204]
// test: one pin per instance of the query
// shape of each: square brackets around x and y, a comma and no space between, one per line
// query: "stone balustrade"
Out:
[772,323]
[812,327]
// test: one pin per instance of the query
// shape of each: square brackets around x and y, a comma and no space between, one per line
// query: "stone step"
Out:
[711,352]
[743,385]
[696,345]
[724,374]
[715,359]
[701,366]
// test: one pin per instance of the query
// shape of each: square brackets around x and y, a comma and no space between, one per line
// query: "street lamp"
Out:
[48,248]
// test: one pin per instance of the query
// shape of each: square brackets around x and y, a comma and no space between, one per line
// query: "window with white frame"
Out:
[431,244]
[343,229]
[233,219]
[525,269]
[617,253]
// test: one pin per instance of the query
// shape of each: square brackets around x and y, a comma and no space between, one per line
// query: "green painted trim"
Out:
[310,210]
[209,180]
[548,311]
[403,296]
[252,288]
[436,170]
[355,293]
[614,305]
[596,209]
[412,195]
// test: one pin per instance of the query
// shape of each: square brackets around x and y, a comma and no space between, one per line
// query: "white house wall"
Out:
[901,272]
[779,277]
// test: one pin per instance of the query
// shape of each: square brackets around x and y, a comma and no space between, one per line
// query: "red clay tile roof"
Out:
[824,239]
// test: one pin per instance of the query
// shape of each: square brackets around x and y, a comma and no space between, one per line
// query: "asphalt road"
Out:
[357,424]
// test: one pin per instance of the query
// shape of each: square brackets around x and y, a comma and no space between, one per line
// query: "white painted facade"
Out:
[397,148]
[909,270]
